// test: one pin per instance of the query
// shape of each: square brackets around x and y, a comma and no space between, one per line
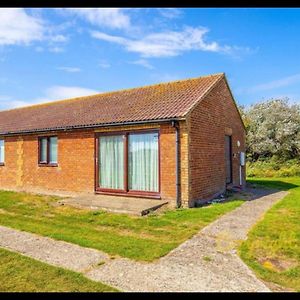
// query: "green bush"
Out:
[273,167]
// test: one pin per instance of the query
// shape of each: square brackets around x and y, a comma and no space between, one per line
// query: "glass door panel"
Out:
[111,162]
[143,162]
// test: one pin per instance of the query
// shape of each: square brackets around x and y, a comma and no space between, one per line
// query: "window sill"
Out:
[2,164]
[48,165]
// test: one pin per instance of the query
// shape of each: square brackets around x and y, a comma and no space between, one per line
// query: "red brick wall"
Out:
[202,154]
[8,175]
[215,116]
[75,171]
[167,162]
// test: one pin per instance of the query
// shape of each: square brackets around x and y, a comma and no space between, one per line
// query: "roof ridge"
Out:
[190,109]
[111,92]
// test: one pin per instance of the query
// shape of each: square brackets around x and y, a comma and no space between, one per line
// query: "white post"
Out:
[240,175]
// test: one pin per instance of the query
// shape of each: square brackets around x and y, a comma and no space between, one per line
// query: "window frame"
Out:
[3,163]
[126,191]
[46,163]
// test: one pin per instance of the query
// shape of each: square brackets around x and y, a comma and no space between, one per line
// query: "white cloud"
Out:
[114,18]
[17,27]
[144,63]
[51,94]
[7,102]
[53,49]
[69,69]
[166,44]
[14,104]
[59,38]
[109,38]
[62,92]
[170,13]
[56,49]
[286,81]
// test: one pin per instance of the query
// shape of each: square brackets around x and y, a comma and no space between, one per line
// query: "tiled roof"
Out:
[155,102]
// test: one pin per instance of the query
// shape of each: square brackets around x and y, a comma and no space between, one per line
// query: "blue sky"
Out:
[52,54]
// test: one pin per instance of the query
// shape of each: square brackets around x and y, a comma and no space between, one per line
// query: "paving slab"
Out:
[117,204]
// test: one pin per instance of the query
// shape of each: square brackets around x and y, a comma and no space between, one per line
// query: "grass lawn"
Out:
[22,274]
[139,238]
[272,249]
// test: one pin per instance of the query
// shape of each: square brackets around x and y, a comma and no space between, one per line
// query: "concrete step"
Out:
[115,204]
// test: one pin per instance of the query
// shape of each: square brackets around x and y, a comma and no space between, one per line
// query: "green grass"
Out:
[273,167]
[19,273]
[139,238]
[272,249]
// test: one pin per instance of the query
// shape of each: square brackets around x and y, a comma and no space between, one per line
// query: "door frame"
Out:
[125,191]
[230,159]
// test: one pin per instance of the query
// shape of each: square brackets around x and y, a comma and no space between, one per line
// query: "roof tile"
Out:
[154,102]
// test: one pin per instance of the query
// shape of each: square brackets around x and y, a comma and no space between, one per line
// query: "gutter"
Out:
[90,126]
[175,124]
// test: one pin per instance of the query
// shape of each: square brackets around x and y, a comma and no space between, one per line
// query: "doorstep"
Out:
[116,204]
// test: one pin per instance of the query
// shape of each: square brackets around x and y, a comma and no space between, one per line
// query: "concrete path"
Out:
[57,253]
[206,262]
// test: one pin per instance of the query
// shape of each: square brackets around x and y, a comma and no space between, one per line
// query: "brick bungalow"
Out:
[178,141]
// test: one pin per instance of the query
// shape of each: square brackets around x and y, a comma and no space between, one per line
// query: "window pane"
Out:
[143,162]
[111,162]
[53,150]
[43,150]
[2,151]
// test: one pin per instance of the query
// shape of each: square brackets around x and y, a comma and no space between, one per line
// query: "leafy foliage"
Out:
[273,129]
[272,167]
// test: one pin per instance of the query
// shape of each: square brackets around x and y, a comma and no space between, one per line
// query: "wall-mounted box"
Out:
[242,158]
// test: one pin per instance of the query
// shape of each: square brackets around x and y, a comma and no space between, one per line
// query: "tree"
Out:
[273,129]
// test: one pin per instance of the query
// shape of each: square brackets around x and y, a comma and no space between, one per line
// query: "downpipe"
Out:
[175,124]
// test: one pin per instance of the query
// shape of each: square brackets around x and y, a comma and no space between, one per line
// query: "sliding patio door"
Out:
[111,166]
[143,162]
[129,163]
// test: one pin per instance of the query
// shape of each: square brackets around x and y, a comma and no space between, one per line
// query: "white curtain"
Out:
[2,151]
[43,150]
[111,162]
[53,150]
[143,162]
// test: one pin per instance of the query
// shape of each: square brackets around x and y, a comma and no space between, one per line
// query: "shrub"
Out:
[273,168]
